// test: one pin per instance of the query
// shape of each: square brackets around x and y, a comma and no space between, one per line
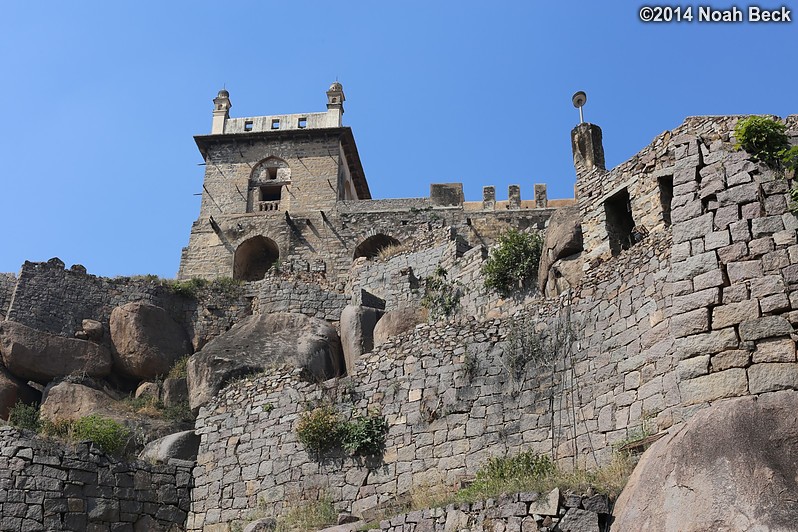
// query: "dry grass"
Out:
[391,251]
[306,516]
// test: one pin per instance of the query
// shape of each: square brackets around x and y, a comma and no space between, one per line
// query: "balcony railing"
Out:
[264,206]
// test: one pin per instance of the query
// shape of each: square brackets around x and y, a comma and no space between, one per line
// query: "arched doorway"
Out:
[372,246]
[254,257]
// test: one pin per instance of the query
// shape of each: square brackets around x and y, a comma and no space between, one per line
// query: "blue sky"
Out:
[101,100]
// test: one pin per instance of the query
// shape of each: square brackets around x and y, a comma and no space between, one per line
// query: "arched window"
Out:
[254,257]
[266,184]
[372,246]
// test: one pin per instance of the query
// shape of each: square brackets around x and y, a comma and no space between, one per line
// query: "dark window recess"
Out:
[666,196]
[272,172]
[270,193]
[620,224]
[275,123]
[303,123]
[248,125]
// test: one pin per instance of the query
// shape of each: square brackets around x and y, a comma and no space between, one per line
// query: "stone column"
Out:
[489,198]
[541,197]
[514,197]
[587,148]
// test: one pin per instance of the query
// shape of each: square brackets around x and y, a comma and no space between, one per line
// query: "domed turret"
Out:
[221,111]
[335,100]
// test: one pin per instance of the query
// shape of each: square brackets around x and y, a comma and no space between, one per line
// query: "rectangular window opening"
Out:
[619,222]
[275,123]
[303,122]
[270,193]
[665,197]
[248,125]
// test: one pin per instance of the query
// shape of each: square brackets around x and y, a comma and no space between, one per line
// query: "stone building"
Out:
[290,190]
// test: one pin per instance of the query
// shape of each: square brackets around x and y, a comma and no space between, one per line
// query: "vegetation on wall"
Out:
[764,138]
[442,297]
[109,435]
[513,263]
[322,430]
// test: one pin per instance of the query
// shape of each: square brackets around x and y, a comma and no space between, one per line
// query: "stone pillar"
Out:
[514,197]
[221,111]
[446,194]
[541,197]
[489,198]
[587,148]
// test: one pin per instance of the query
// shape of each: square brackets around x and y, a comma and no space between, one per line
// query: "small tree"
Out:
[514,262]
[764,138]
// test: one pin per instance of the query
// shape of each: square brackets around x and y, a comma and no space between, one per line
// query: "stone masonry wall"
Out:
[695,312]
[53,299]
[280,294]
[50,486]
[7,283]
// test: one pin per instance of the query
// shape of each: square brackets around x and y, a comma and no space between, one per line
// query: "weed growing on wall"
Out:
[513,263]
[109,435]
[322,430]
[319,430]
[24,416]
[442,297]
[764,138]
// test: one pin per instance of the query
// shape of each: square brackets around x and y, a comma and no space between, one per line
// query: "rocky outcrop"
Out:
[559,265]
[262,341]
[146,340]
[357,332]
[180,445]
[398,321]
[12,391]
[41,357]
[730,467]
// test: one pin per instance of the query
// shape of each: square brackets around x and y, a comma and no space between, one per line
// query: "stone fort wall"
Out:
[701,309]
[47,485]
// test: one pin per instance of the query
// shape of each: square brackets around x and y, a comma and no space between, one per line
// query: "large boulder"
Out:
[262,341]
[68,400]
[13,391]
[181,445]
[398,321]
[563,239]
[357,332]
[147,341]
[732,466]
[39,356]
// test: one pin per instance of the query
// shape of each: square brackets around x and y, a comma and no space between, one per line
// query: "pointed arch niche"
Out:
[372,246]
[266,183]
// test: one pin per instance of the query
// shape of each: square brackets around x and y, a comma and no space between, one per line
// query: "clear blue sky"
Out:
[101,100]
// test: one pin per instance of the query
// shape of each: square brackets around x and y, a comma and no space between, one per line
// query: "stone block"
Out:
[739,194]
[716,239]
[693,266]
[740,232]
[707,343]
[735,358]
[606,420]
[725,216]
[742,270]
[690,323]
[547,505]
[708,280]
[693,367]
[774,303]
[775,350]
[695,300]
[446,194]
[728,383]
[693,228]
[766,225]
[767,285]
[765,327]
[734,252]
[752,210]
[734,313]
[772,377]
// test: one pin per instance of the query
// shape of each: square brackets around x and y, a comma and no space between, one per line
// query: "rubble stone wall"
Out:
[697,311]
[7,283]
[45,485]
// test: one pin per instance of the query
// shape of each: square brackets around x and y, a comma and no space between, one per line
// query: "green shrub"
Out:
[322,429]
[24,416]
[790,158]
[764,138]
[365,435]
[514,262]
[188,288]
[109,435]
[319,429]
[441,297]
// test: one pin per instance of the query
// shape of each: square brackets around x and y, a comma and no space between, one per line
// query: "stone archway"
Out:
[372,246]
[254,257]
